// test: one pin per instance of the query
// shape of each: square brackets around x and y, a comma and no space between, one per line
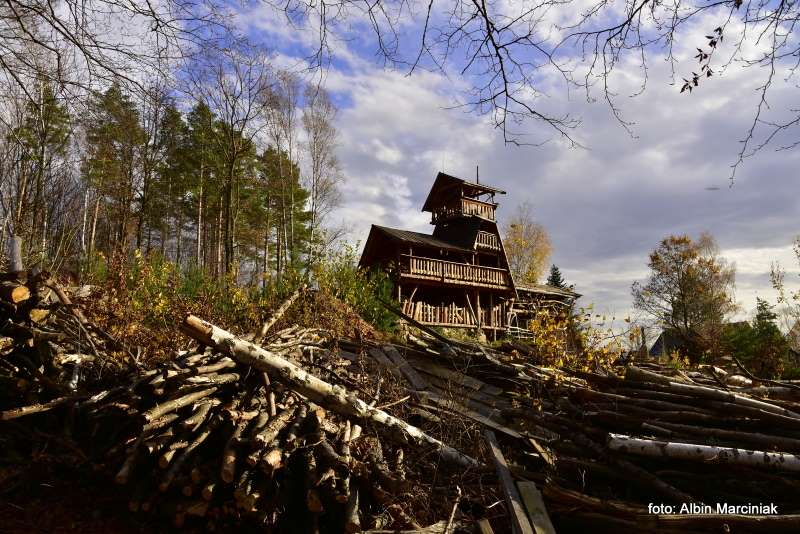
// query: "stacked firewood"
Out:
[48,349]
[207,440]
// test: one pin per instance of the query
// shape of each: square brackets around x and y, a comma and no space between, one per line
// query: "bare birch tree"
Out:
[324,174]
[281,108]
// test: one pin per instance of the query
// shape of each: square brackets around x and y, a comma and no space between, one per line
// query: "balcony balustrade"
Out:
[463,207]
[488,241]
[454,273]
[452,315]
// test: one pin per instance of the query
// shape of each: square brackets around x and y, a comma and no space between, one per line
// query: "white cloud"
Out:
[606,207]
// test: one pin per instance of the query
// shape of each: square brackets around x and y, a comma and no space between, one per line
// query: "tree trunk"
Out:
[265,269]
[703,453]
[218,267]
[84,219]
[228,201]
[198,252]
[15,254]
[94,224]
[278,252]
[178,237]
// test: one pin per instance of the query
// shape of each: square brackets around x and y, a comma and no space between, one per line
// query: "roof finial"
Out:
[477,174]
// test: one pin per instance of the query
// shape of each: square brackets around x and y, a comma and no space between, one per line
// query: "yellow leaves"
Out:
[527,245]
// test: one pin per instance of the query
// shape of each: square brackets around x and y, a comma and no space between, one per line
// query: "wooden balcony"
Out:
[448,272]
[462,207]
[487,241]
[450,315]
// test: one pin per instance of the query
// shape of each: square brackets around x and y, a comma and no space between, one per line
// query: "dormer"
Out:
[451,198]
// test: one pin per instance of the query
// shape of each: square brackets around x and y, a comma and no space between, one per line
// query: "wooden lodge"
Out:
[458,276]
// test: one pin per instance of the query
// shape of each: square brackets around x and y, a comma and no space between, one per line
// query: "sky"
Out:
[605,205]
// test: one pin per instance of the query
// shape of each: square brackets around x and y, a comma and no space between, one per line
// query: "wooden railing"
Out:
[448,315]
[492,317]
[464,206]
[471,206]
[454,273]
[487,240]
[452,315]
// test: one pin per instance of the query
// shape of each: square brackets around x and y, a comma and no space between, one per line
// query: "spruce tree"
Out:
[555,279]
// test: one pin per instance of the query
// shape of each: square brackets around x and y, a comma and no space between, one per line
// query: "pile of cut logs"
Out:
[206,437]
[603,446]
[299,431]
[48,349]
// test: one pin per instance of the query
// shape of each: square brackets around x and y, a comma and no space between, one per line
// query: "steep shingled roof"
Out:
[378,246]
[419,238]
[444,185]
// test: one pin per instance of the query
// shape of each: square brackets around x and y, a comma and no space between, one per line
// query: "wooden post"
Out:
[471,310]
[491,317]
[478,307]
[413,292]
[491,309]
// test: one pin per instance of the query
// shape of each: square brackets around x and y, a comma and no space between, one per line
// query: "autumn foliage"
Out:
[527,246]
[689,291]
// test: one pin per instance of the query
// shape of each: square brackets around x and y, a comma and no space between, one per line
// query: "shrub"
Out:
[338,274]
[152,292]
[571,340]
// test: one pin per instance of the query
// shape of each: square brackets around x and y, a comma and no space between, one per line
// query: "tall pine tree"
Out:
[113,140]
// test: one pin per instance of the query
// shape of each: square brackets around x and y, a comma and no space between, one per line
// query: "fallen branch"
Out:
[37,408]
[275,317]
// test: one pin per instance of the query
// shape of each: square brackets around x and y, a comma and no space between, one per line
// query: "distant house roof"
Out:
[547,290]
[444,186]
[668,341]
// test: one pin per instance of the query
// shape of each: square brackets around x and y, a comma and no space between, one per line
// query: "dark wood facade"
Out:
[458,276]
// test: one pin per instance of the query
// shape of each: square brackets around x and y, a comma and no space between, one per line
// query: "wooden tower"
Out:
[457,276]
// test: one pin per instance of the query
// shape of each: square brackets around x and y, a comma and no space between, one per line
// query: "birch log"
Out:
[703,453]
[15,254]
[330,396]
